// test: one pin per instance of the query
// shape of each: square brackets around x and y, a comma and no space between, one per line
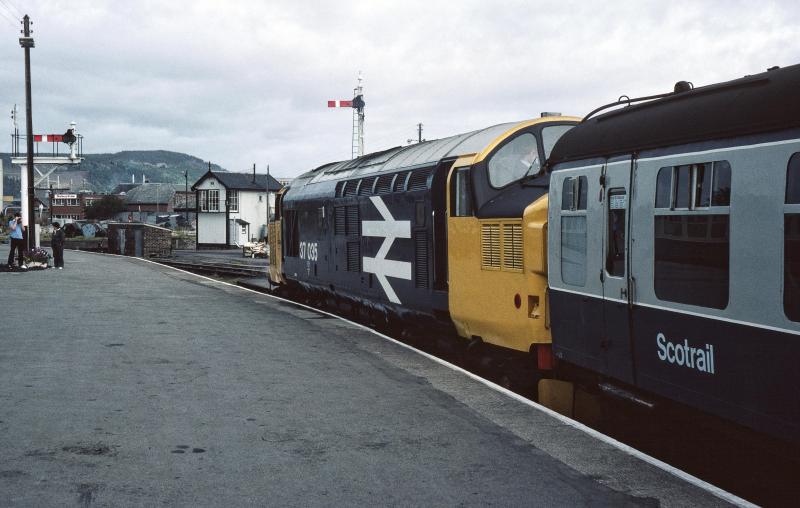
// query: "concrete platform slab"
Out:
[127,383]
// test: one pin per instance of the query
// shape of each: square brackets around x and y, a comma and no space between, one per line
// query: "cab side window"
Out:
[514,160]
[461,194]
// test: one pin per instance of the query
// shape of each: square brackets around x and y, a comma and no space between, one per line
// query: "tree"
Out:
[105,208]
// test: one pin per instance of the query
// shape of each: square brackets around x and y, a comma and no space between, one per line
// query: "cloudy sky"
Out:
[243,82]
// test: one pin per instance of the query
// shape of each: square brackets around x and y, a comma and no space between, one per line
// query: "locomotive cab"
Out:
[497,227]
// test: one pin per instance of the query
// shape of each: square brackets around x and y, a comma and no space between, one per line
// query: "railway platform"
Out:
[125,382]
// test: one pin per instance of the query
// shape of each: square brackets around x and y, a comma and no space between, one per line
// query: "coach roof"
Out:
[763,102]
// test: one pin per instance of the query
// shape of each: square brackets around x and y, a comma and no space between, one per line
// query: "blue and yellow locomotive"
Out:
[432,232]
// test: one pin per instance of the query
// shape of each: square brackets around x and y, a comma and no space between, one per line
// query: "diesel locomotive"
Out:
[447,232]
[656,245]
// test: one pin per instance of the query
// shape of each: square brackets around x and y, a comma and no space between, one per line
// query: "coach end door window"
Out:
[791,241]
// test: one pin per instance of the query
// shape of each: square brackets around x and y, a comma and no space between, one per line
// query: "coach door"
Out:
[616,281]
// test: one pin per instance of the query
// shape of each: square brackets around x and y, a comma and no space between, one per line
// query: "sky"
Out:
[244,82]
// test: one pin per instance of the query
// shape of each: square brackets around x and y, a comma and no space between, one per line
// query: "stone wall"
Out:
[140,240]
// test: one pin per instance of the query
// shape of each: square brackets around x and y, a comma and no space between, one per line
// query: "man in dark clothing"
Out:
[57,243]
[17,240]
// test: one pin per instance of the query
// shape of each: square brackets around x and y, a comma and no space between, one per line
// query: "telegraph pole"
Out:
[26,42]
[419,132]
[186,194]
[269,217]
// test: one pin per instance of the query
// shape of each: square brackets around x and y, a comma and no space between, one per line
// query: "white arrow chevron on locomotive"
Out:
[389,229]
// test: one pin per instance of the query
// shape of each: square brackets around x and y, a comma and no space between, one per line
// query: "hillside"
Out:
[103,171]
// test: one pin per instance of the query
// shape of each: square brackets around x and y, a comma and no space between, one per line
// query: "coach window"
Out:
[692,234]
[514,160]
[791,241]
[461,193]
[573,231]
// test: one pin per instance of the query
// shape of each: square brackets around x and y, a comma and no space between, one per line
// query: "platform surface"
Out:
[127,383]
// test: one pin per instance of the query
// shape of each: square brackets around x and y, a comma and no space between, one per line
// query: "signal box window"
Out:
[514,160]
[791,241]
[213,200]
[233,201]
[692,234]
[573,231]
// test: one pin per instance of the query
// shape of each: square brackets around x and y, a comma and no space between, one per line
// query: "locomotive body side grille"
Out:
[421,259]
[490,246]
[353,256]
[352,222]
[339,214]
[512,247]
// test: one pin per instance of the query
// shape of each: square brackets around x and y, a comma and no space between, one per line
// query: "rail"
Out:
[215,268]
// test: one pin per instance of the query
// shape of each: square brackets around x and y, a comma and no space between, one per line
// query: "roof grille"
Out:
[384,184]
[400,182]
[366,186]
[419,179]
[350,188]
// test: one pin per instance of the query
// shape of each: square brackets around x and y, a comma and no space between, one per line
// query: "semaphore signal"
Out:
[357,105]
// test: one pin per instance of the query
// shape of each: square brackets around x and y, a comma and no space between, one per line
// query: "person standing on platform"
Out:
[57,243]
[17,241]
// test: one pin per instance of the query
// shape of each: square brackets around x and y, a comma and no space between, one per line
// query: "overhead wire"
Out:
[8,14]
[9,18]
[16,12]
[11,12]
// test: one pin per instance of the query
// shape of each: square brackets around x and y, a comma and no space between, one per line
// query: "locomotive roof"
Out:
[420,154]
[752,104]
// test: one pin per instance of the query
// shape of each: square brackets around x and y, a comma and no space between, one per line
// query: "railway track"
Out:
[756,468]
[216,268]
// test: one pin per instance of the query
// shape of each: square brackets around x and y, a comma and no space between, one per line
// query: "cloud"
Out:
[244,82]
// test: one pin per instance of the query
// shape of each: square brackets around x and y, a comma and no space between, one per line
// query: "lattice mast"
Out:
[357,104]
[358,119]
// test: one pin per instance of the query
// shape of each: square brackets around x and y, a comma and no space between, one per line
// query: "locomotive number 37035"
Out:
[308,250]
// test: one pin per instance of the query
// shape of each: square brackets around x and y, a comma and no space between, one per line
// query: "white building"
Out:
[232,208]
